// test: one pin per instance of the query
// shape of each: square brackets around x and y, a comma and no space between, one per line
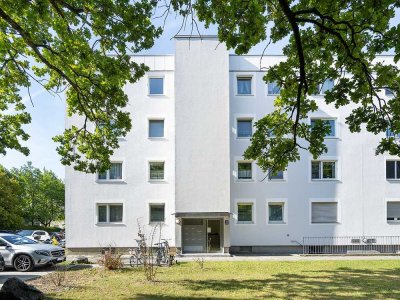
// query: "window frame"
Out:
[252,87]
[268,94]
[251,202]
[326,200]
[321,161]
[107,179]
[335,122]
[284,179]
[148,170]
[244,119]
[151,204]
[149,120]
[149,77]
[277,201]
[108,204]
[396,162]
[252,179]
[391,222]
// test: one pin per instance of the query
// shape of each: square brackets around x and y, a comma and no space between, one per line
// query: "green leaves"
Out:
[10,200]
[79,47]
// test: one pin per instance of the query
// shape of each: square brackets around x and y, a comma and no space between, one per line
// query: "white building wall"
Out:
[136,192]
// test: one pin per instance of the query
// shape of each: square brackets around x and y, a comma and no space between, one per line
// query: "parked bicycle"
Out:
[163,254]
[137,254]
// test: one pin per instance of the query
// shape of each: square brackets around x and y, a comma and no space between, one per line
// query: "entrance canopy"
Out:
[202,214]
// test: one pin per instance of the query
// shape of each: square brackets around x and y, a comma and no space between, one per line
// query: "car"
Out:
[23,254]
[39,235]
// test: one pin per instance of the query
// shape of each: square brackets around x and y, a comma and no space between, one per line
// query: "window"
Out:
[109,213]
[324,212]
[278,175]
[244,128]
[326,86]
[273,88]
[156,170]
[391,134]
[156,86]
[330,122]
[244,85]
[392,169]
[245,212]
[114,173]
[157,212]
[156,128]
[393,212]
[275,212]
[323,170]
[389,92]
[245,170]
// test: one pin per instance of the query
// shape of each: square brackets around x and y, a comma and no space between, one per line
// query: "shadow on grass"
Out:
[319,284]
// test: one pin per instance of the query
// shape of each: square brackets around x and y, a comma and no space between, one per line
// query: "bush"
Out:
[111,260]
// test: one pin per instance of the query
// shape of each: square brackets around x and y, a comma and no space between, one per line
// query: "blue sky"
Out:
[48,111]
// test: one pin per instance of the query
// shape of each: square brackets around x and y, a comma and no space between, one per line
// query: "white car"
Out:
[37,235]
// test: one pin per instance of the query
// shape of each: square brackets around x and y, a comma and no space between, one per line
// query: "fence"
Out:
[352,245]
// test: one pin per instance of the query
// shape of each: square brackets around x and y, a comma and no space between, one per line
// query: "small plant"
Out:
[200,262]
[57,278]
[111,259]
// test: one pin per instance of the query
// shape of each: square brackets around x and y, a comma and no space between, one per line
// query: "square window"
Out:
[392,169]
[326,86]
[156,86]
[244,128]
[330,122]
[275,213]
[278,175]
[156,128]
[115,213]
[324,212]
[391,134]
[393,212]
[245,170]
[245,212]
[273,88]
[156,170]
[157,212]
[244,85]
[102,175]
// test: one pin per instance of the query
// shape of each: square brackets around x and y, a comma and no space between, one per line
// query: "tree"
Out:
[327,39]
[43,195]
[10,200]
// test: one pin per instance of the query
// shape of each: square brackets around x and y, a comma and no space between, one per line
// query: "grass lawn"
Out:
[236,280]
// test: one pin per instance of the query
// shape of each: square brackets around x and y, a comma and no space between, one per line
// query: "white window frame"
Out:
[395,169]
[150,76]
[394,222]
[253,212]
[237,128]
[277,201]
[148,170]
[159,204]
[243,117]
[236,170]
[338,213]
[268,94]
[284,180]
[108,203]
[325,159]
[245,75]
[108,180]
[335,119]
[155,118]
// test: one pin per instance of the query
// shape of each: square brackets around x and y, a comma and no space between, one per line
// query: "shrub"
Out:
[110,259]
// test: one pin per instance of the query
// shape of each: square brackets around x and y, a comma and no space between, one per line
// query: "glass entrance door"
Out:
[214,236]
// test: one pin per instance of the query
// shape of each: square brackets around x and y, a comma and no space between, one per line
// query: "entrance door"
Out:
[194,236]
[213,236]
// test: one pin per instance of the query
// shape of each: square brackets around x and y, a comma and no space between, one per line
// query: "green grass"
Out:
[241,280]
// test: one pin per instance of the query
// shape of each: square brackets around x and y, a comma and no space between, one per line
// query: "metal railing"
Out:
[352,245]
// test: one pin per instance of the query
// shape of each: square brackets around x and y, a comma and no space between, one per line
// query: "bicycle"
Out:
[137,253]
[163,253]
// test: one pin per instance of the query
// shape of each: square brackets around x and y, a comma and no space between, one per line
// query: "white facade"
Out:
[201,192]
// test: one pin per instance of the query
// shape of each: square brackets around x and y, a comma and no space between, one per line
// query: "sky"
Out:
[48,110]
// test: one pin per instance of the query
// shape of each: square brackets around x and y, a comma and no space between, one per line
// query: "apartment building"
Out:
[181,167]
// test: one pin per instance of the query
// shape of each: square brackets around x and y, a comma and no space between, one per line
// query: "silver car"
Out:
[24,254]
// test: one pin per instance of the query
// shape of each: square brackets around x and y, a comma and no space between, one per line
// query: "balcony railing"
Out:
[352,245]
